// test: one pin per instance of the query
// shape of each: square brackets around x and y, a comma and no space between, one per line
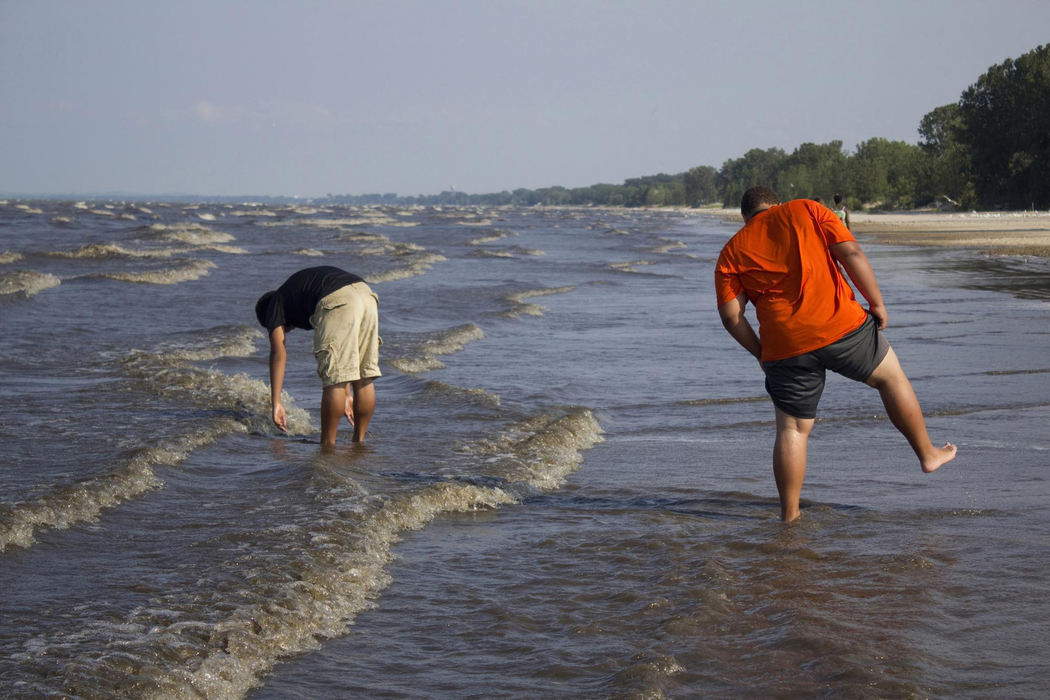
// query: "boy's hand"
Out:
[349,408]
[280,419]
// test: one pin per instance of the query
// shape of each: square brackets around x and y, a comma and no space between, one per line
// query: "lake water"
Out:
[566,490]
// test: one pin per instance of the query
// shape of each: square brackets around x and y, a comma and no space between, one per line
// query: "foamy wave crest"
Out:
[7,258]
[667,246]
[492,254]
[311,252]
[337,572]
[187,272]
[348,222]
[112,250]
[418,266]
[252,212]
[492,238]
[83,502]
[26,283]
[522,308]
[628,266]
[446,342]
[247,398]
[193,234]
[461,394]
[541,452]
[211,344]
[363,237]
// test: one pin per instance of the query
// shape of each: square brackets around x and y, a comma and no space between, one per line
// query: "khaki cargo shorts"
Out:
[346,335]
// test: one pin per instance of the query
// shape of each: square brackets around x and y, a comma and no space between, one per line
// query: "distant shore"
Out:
[1023,233]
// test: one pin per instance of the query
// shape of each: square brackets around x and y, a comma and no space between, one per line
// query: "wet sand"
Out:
[996,233]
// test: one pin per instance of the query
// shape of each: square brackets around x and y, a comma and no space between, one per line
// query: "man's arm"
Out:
[857,266]
[732,315]
[278,360]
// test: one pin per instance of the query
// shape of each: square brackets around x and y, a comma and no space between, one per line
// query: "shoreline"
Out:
[1018,233]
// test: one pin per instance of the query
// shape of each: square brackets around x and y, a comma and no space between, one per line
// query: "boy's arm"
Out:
[857,266]
[732,315]
[278,360]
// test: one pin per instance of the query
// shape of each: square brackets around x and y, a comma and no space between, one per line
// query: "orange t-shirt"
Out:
[782,262]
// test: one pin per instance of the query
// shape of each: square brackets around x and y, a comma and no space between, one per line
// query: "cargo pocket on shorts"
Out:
[328,304]
[325,363]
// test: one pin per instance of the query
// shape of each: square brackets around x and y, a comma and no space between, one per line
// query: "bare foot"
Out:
[939,456]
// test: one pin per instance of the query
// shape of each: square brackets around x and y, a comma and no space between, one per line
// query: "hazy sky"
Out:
[416,96]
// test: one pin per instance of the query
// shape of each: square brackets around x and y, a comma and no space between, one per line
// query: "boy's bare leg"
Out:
[364,406]
[333,405]
[789,461]
[901,404]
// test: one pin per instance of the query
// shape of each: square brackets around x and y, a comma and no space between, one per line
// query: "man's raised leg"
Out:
[789,461]
[902,405]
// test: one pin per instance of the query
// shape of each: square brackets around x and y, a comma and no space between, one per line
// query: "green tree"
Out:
[700,185]
[886,173]
[1006,125]
[813,170]
[757,167]
[946,172]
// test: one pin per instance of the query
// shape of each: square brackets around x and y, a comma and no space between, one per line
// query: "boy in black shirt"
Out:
[343,313]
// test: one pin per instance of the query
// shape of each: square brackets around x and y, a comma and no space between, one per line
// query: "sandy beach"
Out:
[1025,233]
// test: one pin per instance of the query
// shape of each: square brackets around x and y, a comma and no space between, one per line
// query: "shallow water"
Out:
[566,489]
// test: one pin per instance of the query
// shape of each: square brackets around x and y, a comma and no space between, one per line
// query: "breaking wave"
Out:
[83,502]
[338,569]
[26,283]
[190,233]
[187,272]
[522,308]
[424,356]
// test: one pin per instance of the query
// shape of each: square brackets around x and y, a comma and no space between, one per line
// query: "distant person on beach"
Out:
[842,211]
[343,313]
[785,260]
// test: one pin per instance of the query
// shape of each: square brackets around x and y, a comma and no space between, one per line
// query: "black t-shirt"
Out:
[295,301]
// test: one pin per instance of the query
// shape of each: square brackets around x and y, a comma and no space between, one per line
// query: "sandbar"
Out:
[1014,233]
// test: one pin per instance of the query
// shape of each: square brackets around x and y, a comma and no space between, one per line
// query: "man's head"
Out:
[838,199]
[263,306]
[756,199]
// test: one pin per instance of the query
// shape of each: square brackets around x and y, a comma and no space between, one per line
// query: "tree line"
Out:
[989,150]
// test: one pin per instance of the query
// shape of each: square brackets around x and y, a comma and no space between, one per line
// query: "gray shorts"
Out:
[796,383]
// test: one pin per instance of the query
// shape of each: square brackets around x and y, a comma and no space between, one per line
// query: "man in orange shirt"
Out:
[785,260]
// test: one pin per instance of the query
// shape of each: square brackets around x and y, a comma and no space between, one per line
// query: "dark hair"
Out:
[755,198]
[262,307]
[838,198]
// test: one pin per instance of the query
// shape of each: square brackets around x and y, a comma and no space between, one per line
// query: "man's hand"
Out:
[880,315]
[280,419]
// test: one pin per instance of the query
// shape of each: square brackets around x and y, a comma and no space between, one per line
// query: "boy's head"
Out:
[756,199]
[262,307]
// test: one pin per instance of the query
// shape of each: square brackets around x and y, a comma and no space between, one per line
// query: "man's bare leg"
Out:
[364,406]
[902,405]
[789,461]
[333,405]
